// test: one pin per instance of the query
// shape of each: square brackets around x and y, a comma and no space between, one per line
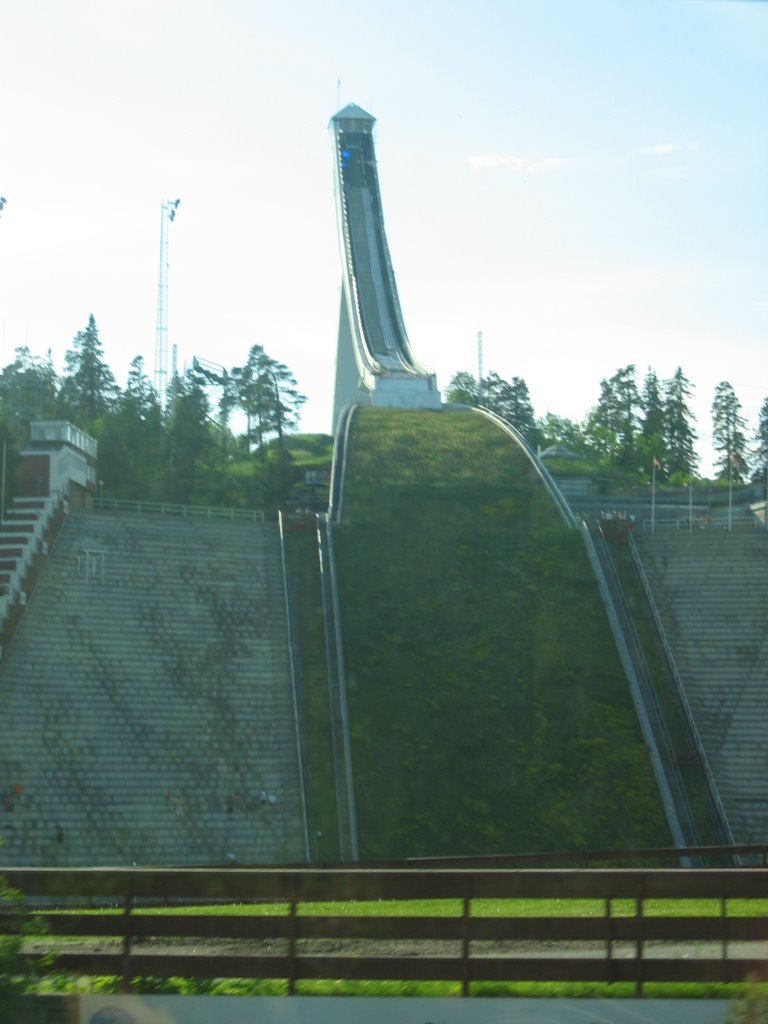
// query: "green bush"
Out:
[18,975]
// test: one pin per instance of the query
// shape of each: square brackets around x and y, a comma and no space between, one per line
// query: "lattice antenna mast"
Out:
[168,209]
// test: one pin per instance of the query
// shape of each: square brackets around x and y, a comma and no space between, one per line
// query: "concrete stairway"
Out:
[145,701]
[711,589]
[23,532]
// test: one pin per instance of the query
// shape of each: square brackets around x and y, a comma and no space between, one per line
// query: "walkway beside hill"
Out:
[146,703]
[711,589]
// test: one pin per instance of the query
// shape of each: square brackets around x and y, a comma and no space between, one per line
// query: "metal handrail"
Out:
[342,747]
[298,707]
[716,523]
[652,703]
[339,464]
[638,697]
[342,755]
[544,475]
[720,815]
[168,509]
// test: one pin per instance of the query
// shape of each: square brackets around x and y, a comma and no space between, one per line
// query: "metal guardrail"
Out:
[718,815]
[545,476]
[690,833]
[639,698]
[346,812]
[339,464]
[165,508]
[625,935]
[296,697]
[716,523]
[339,718]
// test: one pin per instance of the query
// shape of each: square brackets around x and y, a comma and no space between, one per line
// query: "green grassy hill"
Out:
[489,711]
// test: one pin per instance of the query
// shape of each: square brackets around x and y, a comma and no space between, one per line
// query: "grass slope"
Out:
[488,708]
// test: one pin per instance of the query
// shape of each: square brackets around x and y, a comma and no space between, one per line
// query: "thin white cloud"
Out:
[664,148]
[519,164]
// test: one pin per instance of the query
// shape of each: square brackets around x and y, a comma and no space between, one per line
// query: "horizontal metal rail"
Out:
[623,935]
[165,508]
[748,853]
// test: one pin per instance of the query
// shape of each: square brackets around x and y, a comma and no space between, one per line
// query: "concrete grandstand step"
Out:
[157,685]
[710,589]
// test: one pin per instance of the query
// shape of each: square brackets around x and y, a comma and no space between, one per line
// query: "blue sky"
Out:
[582,181]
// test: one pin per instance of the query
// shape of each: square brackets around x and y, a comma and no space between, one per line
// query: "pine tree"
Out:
[88,388]
[612,425]
[651,442]
[131,441]
[553,429]
[462,389]
[28,388]
[678,429]
[652,406]
[512,402]
[268,394]
[192,448]
[760,451]
[728,437]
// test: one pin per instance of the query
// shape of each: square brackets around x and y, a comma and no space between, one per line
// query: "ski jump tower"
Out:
[374,362]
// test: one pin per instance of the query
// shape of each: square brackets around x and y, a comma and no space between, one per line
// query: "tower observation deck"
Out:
[374,362]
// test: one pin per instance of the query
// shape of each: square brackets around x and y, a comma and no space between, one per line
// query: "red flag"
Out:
[735,460]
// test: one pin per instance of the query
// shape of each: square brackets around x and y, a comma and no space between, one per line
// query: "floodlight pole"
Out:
[168,208]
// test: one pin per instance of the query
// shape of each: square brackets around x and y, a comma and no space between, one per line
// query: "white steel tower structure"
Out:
[168,209]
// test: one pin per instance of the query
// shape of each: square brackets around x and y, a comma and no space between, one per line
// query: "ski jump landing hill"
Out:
[374,363]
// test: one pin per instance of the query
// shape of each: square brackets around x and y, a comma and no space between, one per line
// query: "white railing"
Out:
[31,544]
[165,508]
[545,476]
[703,524]
[63,432]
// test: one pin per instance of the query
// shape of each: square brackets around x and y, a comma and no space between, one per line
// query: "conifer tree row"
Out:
[181,453]
[632,425]
[235,453]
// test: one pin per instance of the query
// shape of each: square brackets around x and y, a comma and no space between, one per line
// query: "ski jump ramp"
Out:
[374,361]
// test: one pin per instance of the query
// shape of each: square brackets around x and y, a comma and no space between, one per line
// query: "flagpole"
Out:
[690,505]
[653,496]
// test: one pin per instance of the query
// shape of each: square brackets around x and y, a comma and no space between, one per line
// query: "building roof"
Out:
[353,113]
[558,451]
